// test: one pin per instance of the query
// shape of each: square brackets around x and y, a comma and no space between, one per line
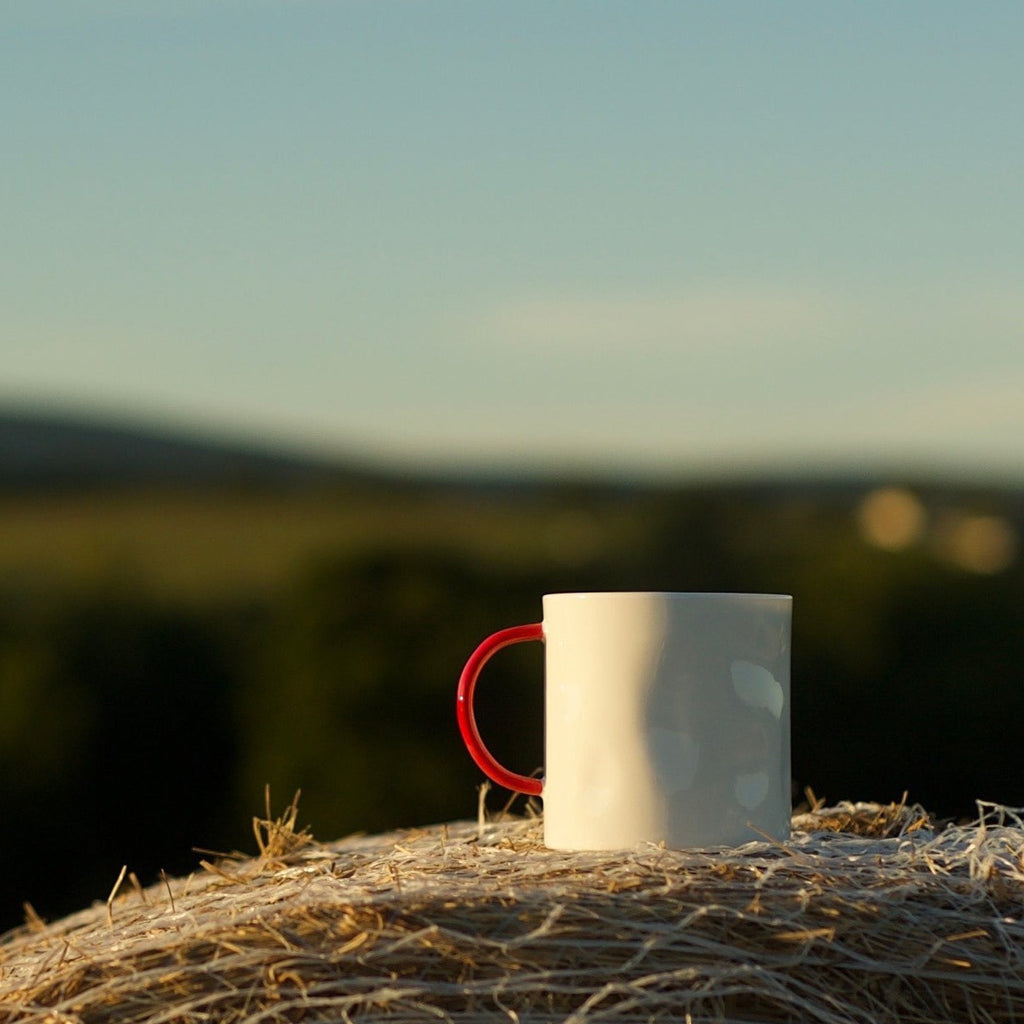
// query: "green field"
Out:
[208,546]
[166,652]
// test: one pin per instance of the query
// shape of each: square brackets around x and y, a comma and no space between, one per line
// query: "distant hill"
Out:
[65,451]
[39,450]
[62,451]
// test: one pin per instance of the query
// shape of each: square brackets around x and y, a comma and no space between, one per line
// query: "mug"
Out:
[666,718]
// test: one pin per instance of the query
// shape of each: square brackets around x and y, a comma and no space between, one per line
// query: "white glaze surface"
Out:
[667,719]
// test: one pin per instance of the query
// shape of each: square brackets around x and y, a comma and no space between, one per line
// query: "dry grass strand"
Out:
[870,913]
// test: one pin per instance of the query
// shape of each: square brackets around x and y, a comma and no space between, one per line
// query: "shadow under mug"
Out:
[666,718]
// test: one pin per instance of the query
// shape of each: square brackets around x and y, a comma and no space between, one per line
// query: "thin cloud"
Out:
[696,320]
[961,413]
[972,424]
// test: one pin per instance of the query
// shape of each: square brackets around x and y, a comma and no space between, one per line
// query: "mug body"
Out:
[666,719]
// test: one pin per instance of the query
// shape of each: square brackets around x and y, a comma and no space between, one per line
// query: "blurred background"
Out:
[334,334]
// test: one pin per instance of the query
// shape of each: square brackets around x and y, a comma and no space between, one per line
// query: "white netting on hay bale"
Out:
[869,914]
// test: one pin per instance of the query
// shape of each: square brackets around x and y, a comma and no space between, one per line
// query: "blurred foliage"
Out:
[146,699]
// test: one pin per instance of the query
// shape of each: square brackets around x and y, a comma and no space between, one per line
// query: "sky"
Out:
[651,238]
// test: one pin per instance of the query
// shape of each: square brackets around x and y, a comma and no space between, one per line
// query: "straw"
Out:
[869,913]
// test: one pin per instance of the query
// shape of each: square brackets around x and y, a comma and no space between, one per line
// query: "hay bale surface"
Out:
[869,914]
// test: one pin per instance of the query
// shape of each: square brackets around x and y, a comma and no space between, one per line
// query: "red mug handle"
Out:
[464,707]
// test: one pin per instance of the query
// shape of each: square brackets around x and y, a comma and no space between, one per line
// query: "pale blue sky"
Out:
[671,237]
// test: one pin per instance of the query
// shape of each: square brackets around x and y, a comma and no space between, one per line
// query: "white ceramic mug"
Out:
[666,718]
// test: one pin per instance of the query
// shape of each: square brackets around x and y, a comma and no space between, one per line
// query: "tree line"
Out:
[136,728]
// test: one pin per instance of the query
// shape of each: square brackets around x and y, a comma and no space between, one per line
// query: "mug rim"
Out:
[675,594]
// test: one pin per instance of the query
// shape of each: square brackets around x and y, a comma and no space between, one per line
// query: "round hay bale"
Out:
[869,914]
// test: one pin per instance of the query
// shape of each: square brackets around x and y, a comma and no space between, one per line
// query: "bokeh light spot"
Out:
[892,518]
[982,544]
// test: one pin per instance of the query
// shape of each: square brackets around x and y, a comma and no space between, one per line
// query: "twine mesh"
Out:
[870,913]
